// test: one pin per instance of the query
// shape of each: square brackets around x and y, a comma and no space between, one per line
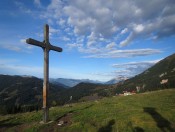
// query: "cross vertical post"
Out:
[46,74]
[46,48]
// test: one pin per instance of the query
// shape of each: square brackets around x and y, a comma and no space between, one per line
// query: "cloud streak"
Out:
[126,70]
[133,68]
[98,53]
[17,47]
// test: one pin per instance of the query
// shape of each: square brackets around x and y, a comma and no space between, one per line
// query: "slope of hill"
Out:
[112,81]
[152,111]
[22,92]
[79,91]
[160,76]
[116,80]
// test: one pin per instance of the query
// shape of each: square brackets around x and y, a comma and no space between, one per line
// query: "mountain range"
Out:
[24,93]
[67,83]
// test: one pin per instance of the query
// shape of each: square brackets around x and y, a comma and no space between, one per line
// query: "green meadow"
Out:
[146,112]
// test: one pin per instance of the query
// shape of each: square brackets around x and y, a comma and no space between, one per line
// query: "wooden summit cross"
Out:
[46,48]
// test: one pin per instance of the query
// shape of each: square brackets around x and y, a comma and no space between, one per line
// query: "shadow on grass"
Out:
[108,127]
[8,123]
[162,123]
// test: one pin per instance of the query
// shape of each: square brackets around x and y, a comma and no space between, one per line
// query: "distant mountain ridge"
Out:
[73,82]
[69,83]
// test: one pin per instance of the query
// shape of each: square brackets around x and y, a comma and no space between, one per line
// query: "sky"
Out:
[101,39]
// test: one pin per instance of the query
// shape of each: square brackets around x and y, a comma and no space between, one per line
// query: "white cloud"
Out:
[53,30]
[92,38]
[21,46]
[106,17]
[65,38]
[135,64]
[53,11]
[131,69]
[23,41]
[127,40]
[61,22]
[125,30]
[99,53]
[74,45]
[111,45]
[138,28]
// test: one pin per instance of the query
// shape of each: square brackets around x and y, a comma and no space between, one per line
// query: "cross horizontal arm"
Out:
[51,47]
[35,42]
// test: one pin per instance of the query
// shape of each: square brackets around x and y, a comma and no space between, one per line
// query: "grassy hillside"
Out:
[152,111]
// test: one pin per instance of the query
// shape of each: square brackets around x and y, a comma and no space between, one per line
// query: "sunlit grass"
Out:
[113,114]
